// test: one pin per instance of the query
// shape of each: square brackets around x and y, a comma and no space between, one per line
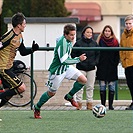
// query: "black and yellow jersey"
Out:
[11,42]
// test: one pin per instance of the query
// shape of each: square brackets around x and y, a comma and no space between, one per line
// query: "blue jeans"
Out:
[103,85]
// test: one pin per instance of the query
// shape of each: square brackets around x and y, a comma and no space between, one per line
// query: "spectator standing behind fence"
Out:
[61,68]
[87,67]
[127,56]
[107,66]
[10,43]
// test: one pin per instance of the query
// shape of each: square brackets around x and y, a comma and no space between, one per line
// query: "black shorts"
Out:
[9,79]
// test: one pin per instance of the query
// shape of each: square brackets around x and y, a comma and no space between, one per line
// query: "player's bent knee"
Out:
[22,88]
[51,94]
[82,79]
[85,81]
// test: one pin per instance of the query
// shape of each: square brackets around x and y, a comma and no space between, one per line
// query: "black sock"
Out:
[8,93]
[3,102]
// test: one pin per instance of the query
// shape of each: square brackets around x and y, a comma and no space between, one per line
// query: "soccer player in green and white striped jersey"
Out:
[61,68]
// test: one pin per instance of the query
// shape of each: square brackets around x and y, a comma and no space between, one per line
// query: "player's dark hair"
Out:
[17,18]
[68,28]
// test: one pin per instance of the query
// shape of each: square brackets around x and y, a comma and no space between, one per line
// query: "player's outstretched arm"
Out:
[24,51]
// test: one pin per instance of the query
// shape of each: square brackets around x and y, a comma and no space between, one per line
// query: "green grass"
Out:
[66,122]
[123,93]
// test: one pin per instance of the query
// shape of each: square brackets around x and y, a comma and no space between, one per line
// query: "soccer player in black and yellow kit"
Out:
[10,43]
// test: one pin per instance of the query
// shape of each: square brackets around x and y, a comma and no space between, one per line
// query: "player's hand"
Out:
[35,46]
[82,57]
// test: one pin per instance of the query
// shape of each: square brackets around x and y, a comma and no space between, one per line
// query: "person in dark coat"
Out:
[107,66]
[88,66]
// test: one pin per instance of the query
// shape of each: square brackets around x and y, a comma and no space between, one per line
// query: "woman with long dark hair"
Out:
[107,66]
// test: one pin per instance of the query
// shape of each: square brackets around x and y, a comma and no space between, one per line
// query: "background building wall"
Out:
[114,21]
[112,7]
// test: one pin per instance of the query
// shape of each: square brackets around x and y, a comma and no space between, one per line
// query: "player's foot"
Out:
[72,101]
[79,106]
[130,107]
[111,108]
[36,113]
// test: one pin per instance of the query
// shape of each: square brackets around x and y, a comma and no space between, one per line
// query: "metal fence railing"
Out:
[81,48]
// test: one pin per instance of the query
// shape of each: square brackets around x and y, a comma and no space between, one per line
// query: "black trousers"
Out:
[129,78]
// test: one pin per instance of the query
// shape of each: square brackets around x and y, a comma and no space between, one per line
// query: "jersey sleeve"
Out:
[23,50]
[6,38]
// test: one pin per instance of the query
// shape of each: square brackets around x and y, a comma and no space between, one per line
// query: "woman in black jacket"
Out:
[88,66]
[107,66]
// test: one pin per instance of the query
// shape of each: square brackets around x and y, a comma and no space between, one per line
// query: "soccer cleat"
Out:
[80,106]
[72,101]
[36,113]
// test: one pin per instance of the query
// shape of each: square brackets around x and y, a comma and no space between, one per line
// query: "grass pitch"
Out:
[66,122]
[123,93]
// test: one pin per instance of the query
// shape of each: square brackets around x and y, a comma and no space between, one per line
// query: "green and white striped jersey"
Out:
[62,58]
